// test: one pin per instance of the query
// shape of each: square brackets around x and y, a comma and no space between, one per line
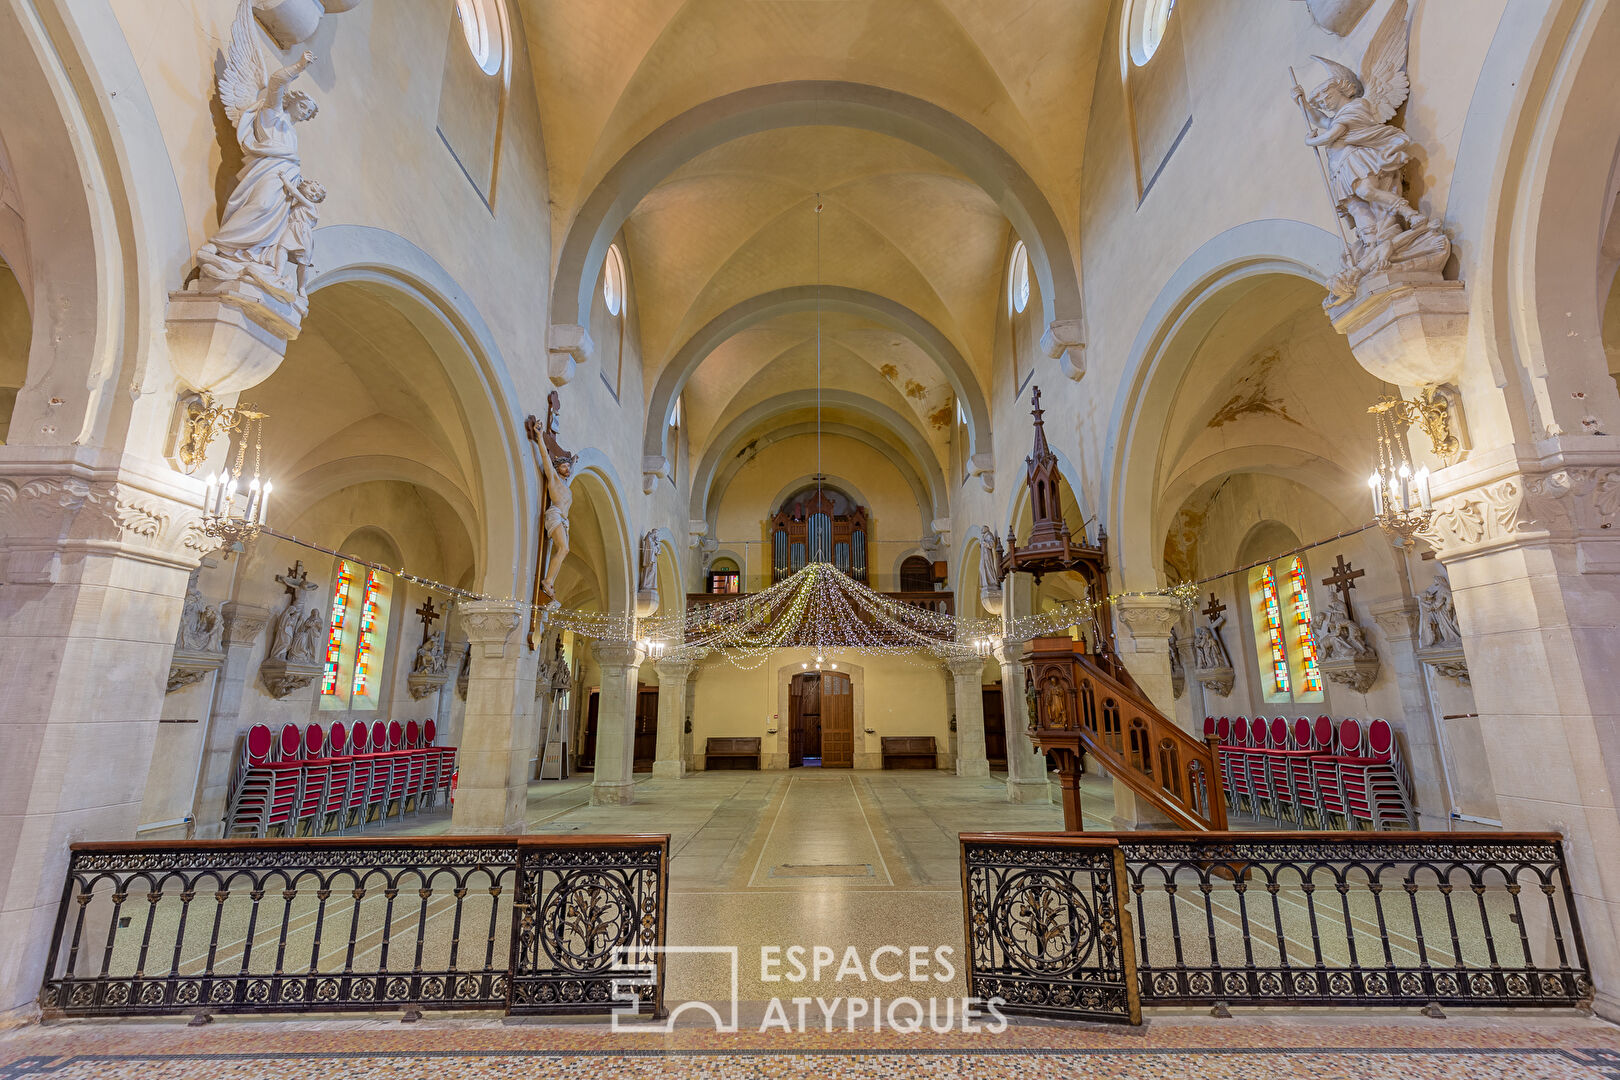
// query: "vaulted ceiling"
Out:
[913,234]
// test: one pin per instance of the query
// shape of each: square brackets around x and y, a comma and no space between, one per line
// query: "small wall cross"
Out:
[428,615]
[1343,578]
[1213,611]
[295,580]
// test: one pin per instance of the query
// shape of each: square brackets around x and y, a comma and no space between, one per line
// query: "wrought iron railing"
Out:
[340,925]
[1274,918]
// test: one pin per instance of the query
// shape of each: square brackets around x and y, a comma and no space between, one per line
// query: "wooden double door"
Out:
[646,734]
[821,720]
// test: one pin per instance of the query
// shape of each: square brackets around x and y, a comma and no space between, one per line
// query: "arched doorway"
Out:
[821,720]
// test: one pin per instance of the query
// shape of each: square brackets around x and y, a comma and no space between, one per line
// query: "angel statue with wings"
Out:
[265,234]
[1348,115]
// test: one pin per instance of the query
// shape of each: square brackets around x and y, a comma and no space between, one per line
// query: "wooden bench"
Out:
[731,753]
[909,752]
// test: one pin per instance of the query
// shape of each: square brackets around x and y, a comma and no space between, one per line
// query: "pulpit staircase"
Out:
[1088,703]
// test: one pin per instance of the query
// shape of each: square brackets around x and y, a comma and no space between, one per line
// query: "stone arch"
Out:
[706,501]
[1190,302]
[840,484]
[821,103]
[595,478]
[886,420]
[686,360]
[424,293]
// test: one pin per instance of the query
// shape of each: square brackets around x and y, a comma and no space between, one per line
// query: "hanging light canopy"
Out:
[231,514]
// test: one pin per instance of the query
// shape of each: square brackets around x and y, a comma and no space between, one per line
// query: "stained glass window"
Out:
[1271,613]
[1299,593]
[334,629]
[366,653]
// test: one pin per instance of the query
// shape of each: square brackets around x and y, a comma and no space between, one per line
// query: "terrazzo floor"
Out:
[837,859]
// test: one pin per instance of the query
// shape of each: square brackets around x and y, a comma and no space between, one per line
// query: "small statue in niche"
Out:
[990,555]
[201,628]
[286,629]
[1365,155]
[1208,648]
[430,655]
[1338,635]
[306,639]
[1032,703]
[1438,615]
[266,229]
[1055,700]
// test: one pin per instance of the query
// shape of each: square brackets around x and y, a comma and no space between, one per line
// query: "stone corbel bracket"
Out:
[187,667]
[1358,674]
[1410,329]
[1064,341]
[421,684]
[281,677]
[293,22]
[1218,679]
[654,467]
[568,346]
[1447,660]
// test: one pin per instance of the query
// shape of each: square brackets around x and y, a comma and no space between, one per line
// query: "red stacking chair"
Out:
[335,809]
[316,778]
[383,767]
[270,791]
[400,771]
[1279,766]
[292,743]
[1259,766]
[396,735]
[447,760]
[1374,788]
[361,779]
[1237,764]
[254,790]
[1223,752]
[416,767]
[1301,779]
[1325,769]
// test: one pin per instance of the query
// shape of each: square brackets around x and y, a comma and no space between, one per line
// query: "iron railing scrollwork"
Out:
[289,925]
[1277,918]
[1047,929]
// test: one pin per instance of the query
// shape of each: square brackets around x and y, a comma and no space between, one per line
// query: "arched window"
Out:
[1149,19]
[916,574]
[484,26]
[613,281]
[1308,674]
[356,638]
[1018,279]
[1280,602]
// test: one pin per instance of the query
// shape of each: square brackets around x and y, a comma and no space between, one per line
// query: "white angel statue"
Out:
[264,235]
[1348,116]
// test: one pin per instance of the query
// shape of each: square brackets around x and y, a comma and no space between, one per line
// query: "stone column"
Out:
[497,733]
[243,622]
[672,682]
[1527,537]
[967,676]
[1397,618]
[614,782]
[1026,766]
[1145,649]
[94,562]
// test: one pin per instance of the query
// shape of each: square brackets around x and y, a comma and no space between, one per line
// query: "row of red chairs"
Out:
[325,778]
[1322,770]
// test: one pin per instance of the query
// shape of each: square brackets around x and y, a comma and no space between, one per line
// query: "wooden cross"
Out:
[296,580]
[428,616]
[1343,578]
[1213,611]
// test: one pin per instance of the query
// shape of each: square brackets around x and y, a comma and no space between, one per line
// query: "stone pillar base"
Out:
[613,794]
[672,769]
[972,767]
[1028,791]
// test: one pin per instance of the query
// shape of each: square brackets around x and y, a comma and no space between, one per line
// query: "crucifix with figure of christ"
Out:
[556,473]
[1343,578]
[296,580]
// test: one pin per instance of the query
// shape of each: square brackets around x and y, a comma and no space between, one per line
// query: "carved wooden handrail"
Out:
[1148,752]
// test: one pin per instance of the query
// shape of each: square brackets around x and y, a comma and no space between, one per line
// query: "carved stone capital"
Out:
[1218,679]
[1410,329]
[1358,674]
[282,677]
[1010,655]
[1064,341]
[673,672]
[421,684]
[490,625]
[615,657]
[964,668]
[1149,617]
[243,622]
[568,345]
[74,509]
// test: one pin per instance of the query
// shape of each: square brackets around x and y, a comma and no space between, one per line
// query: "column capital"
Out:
[1565,489]
[489,625]
[243,622]
[674,670]
[617,656]
[1009,652]
[1148,616]
[964,667]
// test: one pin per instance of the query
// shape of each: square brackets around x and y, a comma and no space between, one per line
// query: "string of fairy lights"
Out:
[817,608]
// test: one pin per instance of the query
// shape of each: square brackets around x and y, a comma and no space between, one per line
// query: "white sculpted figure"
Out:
[1364,158]
[265,233]
[990,552]
[1439,615]
[201,628]
[285,630]
[1339,636]
[430,656]
[1208,648]
[306,640]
